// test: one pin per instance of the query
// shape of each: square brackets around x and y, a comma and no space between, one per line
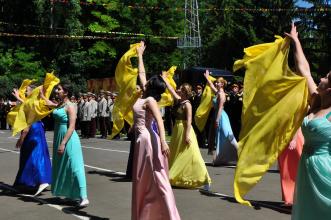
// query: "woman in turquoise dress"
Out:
[312,199]
[68,173]
[226,143]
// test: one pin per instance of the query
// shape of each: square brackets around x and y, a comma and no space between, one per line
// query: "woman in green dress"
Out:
[312,198]
[68,173]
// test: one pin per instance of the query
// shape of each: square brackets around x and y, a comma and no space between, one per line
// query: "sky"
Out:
[304,4]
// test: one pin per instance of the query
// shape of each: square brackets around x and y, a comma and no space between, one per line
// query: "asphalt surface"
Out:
[110,193]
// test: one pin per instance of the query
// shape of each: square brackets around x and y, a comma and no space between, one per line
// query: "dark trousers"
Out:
[129,166]
[97,123]
[109,126]
[3,123]
[103,126]
[93,128]
[200,136]
[85,128]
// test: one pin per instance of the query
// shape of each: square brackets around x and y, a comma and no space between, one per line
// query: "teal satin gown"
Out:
[68,169]
[313,186]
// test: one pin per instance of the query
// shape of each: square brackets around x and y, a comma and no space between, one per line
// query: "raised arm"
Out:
[17,96]
[170,88]
[141,67]
[42,96]
[153,107]
[210,83]
[301,61]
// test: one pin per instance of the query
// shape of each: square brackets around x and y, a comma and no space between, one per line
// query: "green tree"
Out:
[225,32]
[273,21]
[16,65]
[162,20]
[315,32]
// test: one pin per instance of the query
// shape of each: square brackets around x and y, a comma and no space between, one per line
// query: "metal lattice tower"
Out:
[191,37]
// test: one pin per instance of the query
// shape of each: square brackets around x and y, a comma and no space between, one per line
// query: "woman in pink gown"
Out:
[288,167]
[152,196]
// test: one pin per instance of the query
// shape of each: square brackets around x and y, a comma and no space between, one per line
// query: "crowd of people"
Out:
[94,113]
[156,164]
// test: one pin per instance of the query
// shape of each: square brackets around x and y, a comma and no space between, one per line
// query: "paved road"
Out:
[110,194]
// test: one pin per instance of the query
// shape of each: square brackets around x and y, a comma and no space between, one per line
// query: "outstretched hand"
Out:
[15,93]
[206,74]
[293,33]
[141,48]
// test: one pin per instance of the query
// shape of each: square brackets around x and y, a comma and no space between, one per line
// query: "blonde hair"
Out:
[222,80]
[186,89]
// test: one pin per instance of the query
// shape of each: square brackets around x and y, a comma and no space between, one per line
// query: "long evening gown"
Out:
[225,151]
[288,163]
[152,196]
[68,169]
[35,165]
[187,167]
[312,198]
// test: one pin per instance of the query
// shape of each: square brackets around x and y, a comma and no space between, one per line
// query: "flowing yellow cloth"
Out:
[166,97]
[202,113]
[21,92]
[34,108]
[274,105]
[126,81]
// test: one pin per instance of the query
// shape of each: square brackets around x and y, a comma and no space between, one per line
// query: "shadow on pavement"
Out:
[8,190]
[114,176]
[276,206]
[233,166]
[72,210]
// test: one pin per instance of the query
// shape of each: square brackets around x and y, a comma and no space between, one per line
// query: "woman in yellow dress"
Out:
[187,168]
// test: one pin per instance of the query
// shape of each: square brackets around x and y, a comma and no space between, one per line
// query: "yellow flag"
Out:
[34,108]
[21,92]
[126,81]
[166,97]
[202,113]
[274,105]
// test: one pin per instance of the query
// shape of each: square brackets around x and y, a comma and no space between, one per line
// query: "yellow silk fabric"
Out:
[34,108]
[166,97]
[126,81]
[23,87]
[274,105]
[202,113]
[14,110]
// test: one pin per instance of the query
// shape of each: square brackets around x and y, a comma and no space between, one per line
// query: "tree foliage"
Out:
[224,35]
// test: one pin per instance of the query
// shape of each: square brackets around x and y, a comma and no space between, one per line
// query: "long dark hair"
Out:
[155,86]
[67,88]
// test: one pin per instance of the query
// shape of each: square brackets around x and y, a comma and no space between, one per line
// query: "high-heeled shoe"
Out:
[41,188]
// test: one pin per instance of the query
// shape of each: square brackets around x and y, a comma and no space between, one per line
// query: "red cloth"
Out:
[288,166]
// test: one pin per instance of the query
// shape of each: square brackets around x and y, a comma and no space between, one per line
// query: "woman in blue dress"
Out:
[35,165]
[312,199]
[223,136]
[68,165]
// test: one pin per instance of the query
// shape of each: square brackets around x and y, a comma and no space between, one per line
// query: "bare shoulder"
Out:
[69,107]
[150,102]
[187,104]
